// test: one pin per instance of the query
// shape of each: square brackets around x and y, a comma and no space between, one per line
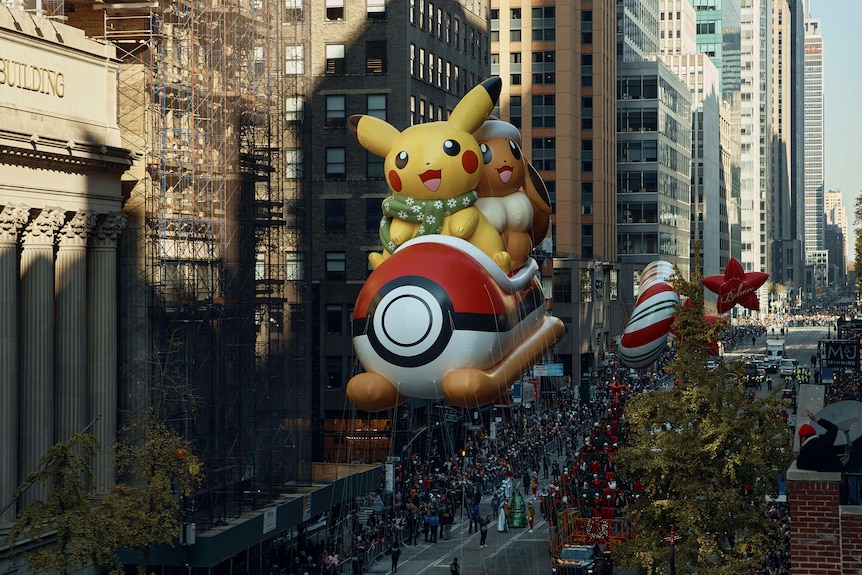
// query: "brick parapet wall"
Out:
[851,540]
[815,522]
[825,536]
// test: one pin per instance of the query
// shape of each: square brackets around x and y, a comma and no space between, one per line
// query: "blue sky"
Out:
[842,51]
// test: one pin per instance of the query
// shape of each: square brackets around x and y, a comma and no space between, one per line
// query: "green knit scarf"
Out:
[428,213]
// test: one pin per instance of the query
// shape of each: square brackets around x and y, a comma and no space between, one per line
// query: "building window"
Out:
[586,285]
[373,215]
[562,286]
[515,79]
[333,320]
[613,282]
[293,10]
[293,109]
[335,216]
[335,62]
[336,163]
[373,166]
[335,9]
[544,110]
[334,373]
[294,60]
[376,105]
[545,78]
[514,35]
[375,57]
[335,111]
[293,164]
[515,111]
[544,154]
[336,266]
[376,9]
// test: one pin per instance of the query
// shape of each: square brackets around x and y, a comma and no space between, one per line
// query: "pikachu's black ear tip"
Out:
[493,85]
[353,123]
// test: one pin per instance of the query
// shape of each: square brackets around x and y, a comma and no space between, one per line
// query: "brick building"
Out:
[825,536]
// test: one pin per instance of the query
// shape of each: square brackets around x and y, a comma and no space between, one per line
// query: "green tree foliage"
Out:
[67,512]
[159,473]
[708,454]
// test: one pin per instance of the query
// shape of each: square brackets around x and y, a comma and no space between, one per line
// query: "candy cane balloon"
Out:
[645,336]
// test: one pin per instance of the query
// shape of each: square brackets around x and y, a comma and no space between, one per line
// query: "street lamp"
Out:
[672,538]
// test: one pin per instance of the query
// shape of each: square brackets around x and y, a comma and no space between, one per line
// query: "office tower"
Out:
[654,137]
[710,229]
[718,36]
[784,234]
[558,66]
[754,141]
[814,154]
[836,215]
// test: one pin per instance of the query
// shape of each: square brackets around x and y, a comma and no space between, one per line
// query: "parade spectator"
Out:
[483,531]
[817,452]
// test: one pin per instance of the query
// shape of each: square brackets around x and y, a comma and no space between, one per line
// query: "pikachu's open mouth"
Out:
[431,179]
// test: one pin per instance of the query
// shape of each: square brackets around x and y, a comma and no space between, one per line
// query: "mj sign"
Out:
[841,353]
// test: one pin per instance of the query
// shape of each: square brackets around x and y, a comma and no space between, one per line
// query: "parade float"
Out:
[447,312]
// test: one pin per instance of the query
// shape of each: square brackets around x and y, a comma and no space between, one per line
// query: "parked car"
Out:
[787,367]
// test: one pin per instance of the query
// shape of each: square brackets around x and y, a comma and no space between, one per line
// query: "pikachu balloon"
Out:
[433,170]
[442,315]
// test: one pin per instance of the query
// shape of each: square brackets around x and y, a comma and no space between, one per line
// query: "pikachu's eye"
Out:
[401,160]
[516,150]
[451,147]
[486,153]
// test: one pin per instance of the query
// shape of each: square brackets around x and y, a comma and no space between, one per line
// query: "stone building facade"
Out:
[61,164]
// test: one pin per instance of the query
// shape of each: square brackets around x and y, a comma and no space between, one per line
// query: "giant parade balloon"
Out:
[443,314]
[735,286]
[645,336]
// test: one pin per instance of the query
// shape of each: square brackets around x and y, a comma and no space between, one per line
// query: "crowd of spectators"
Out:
[561,455]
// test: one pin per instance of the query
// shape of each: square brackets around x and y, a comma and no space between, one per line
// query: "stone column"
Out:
[72,413]
[103,342]
[37,341]
[12,221]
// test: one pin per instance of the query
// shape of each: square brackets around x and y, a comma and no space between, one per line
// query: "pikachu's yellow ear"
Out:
[473,109]
[375,135]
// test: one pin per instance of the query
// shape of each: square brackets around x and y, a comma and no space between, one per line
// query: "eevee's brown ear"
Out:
[474,107]
[375,135]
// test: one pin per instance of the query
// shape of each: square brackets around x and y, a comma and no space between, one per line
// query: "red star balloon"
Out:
[736,286]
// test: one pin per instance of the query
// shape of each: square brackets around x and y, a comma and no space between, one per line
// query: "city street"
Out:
[518,552]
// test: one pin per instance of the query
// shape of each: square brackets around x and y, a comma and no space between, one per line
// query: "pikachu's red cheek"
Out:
[394,181]
[470,161]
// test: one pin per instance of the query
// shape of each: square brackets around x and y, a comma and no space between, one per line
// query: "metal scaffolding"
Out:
[214,317]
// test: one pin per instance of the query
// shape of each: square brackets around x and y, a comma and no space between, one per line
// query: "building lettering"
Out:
[32,78]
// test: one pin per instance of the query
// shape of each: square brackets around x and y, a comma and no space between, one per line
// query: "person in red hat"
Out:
[817,452]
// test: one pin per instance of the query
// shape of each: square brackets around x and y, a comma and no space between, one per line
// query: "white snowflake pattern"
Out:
[466,201]
[409,201]
[430,219]
[385,205]
[451,203]
[421,230]
[382,222]
[416,209]
[438,204]
[402,215]
[391,246]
